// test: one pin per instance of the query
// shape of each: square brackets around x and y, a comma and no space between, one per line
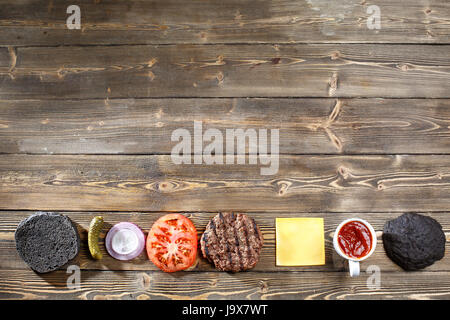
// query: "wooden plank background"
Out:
[307,126]
[86,118]
[233,70]
[42,22]
[304,183]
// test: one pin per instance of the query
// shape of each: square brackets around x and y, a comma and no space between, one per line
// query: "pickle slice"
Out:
[95,227]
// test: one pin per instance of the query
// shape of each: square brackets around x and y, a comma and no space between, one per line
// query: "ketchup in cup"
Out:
[355,239]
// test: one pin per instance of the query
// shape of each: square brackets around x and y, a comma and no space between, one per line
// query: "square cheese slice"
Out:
[300,241]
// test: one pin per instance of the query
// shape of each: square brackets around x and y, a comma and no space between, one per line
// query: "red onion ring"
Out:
[121,231]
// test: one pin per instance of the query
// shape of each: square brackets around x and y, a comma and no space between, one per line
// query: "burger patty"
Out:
[232,242]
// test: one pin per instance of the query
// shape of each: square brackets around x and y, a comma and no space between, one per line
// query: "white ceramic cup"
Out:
[353,263]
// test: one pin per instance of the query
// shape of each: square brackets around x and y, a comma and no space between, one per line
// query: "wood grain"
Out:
[155,183]
[86,118]
[9,258]
[144,126]
[17,284]
[343,70]
[106,22]
[6,59]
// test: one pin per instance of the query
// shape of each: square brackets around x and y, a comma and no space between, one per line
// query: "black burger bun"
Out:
[414,241]
[46,241]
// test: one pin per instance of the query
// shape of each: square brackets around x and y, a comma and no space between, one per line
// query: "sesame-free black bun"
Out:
[414,241]
[46,241]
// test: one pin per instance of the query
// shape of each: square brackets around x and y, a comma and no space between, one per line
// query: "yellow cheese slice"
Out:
[300,241]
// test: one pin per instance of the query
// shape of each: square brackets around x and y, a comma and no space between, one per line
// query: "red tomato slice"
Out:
[172,243]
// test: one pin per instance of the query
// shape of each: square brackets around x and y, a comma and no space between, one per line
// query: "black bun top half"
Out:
[46,241]
[414,241]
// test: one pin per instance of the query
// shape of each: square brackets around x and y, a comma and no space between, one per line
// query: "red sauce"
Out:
[355,239]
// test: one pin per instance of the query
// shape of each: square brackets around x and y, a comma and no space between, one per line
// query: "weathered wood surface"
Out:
[154,183]
[144,126]
[220,285]
[43,22]
[321,70]
[9,258]
[86,117]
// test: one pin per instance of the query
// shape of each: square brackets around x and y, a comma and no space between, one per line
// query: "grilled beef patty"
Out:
[232,242]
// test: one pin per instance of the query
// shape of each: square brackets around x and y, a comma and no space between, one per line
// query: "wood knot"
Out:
[403,67]
[152,62]
[381,186]
[428,11]
[13,61]
[335,55]
[264,287]
[159,114]
[238,15]
[144,281]
[166,186]
[163,186]
[343,171]
[220,77]
[61,73]
[283,187]
[333,84]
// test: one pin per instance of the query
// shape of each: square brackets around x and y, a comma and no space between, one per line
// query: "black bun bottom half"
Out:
[414,241]
[46,241]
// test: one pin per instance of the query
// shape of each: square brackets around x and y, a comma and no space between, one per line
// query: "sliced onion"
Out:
[125,241]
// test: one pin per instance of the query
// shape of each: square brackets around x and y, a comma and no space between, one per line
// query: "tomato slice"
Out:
[172,243]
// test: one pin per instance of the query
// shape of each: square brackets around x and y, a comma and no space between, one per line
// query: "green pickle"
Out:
[95,227]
